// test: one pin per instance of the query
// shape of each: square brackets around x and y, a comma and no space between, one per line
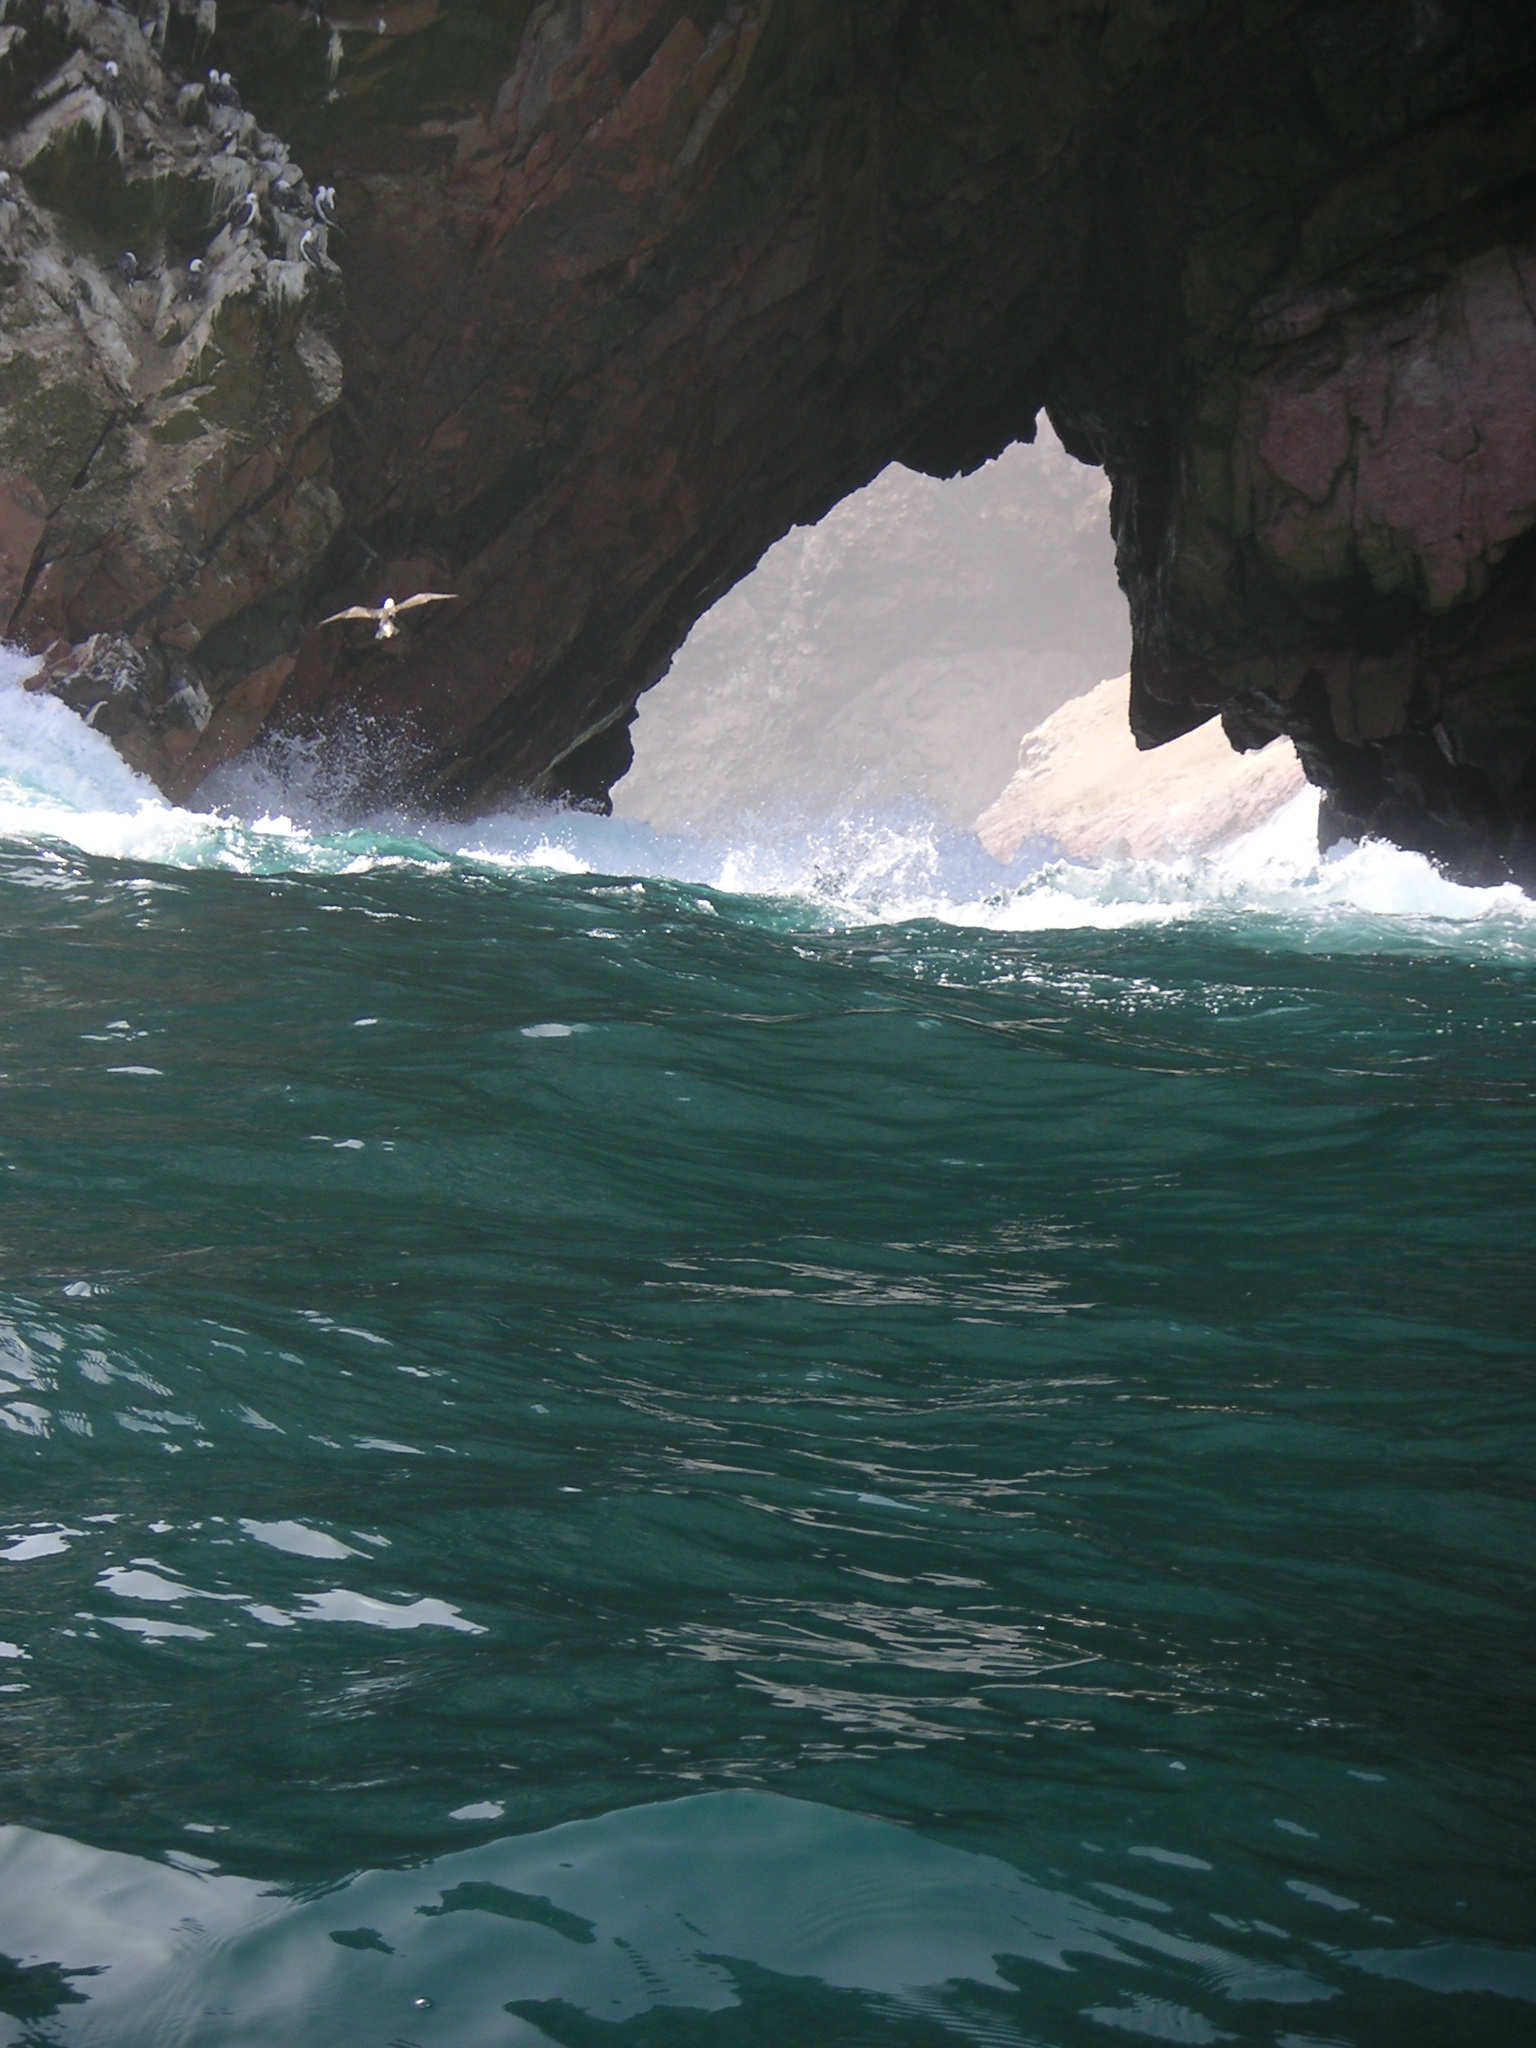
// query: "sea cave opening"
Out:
[891,655]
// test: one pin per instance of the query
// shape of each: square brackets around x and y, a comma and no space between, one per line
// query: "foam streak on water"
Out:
[617,1440]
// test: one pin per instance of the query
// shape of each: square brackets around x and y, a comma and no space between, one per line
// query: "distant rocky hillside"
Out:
[894,652]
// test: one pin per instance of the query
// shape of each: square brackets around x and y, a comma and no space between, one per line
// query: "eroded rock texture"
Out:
[633,285]
[166,377]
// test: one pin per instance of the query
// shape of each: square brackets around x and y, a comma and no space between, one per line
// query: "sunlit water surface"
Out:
[625,1441]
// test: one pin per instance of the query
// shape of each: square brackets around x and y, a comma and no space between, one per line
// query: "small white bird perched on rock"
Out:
[385,615]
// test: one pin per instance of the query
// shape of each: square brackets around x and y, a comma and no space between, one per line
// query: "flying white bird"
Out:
[385,615]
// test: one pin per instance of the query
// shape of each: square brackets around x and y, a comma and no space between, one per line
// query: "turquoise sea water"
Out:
[616,1442]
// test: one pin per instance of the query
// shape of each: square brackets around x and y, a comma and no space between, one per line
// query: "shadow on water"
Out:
[36,1991]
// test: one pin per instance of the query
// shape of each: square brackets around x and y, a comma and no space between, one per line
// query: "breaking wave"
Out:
[285,811]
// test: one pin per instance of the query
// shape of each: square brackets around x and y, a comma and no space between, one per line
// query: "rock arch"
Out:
[631,286]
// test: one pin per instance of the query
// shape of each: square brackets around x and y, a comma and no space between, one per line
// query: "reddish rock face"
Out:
[661,279]
[1381,481]
[667,288]
[1403,444]
[634,285]
[23,515]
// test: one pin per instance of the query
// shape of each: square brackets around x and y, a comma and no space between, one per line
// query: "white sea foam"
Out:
[63,783]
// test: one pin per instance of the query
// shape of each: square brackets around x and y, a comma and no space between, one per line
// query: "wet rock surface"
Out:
[632,286]
[167,378]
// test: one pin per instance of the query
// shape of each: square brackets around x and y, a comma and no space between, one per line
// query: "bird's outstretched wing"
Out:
[426,597]
[353,611]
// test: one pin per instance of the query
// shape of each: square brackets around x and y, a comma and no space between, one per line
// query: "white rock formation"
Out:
[1082,787]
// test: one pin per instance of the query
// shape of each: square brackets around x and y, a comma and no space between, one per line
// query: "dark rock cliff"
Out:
[166,377]
[631,286]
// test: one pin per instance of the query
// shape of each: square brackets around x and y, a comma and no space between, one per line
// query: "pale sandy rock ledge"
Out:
[1082,785]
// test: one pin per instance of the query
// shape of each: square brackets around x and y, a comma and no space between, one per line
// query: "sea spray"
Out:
[289,809]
